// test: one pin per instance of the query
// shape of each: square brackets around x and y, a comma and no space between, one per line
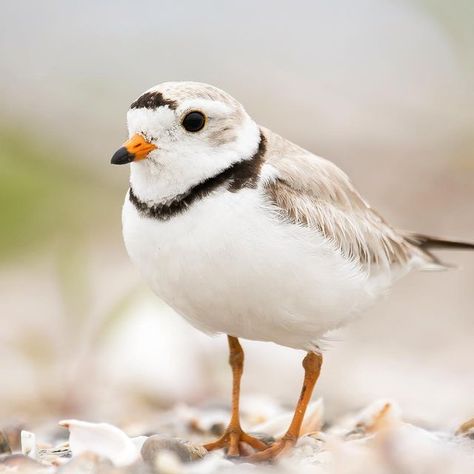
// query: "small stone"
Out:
[4,444]
[156,444]
[217,429]
[195,450]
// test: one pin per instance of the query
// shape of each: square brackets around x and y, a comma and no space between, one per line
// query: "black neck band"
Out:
[243,174]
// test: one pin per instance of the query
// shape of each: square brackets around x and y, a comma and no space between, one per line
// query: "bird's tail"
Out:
[427,244]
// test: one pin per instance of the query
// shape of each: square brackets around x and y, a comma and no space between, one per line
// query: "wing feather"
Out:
[313,192]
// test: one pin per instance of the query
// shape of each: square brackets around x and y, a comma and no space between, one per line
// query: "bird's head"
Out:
[181,133]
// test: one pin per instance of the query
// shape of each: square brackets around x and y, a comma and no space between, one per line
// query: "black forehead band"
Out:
[153,100]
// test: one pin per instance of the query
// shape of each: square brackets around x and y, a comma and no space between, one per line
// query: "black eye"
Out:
[194,121]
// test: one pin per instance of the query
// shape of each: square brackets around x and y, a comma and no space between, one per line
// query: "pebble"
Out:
[217,429]
[184,450]
[196,450]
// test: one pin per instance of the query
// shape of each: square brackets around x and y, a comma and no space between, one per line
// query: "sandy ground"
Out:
[375,440]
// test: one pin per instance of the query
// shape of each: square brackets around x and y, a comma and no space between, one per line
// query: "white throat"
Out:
[162,178]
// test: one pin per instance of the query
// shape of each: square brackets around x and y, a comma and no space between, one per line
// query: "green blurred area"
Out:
[457,19]
[45,199]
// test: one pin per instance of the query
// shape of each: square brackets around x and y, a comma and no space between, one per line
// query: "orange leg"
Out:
[234,435]
[312,367]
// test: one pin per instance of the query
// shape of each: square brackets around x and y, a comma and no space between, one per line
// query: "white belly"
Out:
[229,265]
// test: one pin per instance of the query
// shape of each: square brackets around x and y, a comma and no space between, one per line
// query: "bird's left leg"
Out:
[234,435]
[312,367]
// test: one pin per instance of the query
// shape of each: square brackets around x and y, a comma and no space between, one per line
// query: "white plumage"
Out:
[230,265]
[285,258]
[244,233]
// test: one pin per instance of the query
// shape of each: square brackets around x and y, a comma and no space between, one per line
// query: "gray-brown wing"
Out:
[312,191]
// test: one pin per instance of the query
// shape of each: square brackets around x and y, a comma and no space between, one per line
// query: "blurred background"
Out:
[383,88]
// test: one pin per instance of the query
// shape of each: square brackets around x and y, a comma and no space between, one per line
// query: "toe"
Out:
[237,443]
[273,452]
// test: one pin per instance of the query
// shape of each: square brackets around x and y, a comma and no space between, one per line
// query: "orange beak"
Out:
[134,149]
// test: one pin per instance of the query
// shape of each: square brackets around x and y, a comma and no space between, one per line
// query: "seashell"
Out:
[212,420]
[466,429]
[103,439]
[28,444]
[378,415]
[138,441]
[55,455]
[277,427]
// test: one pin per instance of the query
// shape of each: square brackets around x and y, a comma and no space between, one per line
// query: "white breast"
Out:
[228,264]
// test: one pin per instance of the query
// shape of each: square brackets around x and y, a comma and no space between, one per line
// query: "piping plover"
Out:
[244,233]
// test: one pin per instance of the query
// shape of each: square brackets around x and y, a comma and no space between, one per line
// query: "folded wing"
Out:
[311,191]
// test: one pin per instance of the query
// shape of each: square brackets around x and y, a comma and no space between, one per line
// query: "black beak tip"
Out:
[122,156]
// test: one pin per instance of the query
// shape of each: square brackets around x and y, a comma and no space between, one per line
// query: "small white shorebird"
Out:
[244,233]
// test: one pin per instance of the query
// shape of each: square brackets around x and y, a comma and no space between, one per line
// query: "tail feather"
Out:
[425,242]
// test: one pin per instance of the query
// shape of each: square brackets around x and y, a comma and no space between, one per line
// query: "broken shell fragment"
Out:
[28,444]
[103,439]
[466,429]
[380,414]
[277,426]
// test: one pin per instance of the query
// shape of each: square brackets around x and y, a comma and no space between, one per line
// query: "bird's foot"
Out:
[282,446]
[233,439]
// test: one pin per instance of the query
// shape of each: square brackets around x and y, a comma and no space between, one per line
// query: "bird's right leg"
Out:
[312,367]
[234,435]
